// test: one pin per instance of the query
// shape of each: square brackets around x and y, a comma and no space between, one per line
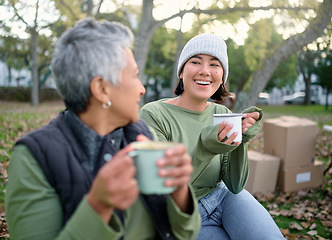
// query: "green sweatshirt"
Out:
[213,160]
[33,211]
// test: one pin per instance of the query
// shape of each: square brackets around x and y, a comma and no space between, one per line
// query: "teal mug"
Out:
[145,157]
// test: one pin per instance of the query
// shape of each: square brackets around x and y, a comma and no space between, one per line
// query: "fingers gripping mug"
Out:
[145,158]
[235,118]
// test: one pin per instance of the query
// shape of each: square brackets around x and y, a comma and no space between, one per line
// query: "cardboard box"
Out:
[263,172]
[291,139]
[293,179]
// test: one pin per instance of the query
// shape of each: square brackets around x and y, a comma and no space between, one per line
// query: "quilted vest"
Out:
[59,154]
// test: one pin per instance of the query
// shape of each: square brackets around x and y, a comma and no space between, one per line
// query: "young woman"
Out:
[228,211]
[74,179]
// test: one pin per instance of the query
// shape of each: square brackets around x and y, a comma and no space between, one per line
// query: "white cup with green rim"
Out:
[235,119]
[146,155]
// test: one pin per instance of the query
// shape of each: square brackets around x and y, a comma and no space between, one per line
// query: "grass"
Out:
[317,113]
[17,119]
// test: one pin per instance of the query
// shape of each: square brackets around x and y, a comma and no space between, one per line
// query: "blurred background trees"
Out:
[283,39]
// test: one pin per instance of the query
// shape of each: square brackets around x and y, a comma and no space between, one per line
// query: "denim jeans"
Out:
[235,216]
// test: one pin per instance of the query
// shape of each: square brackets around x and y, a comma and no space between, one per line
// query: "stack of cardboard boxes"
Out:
[292,140]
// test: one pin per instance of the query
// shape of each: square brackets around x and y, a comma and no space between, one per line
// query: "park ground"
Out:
[304,214]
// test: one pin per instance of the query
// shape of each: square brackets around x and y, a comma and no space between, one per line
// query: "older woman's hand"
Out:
[249,120]
[178,176]
[115,185]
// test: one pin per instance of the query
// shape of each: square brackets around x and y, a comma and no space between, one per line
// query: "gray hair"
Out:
[87,50]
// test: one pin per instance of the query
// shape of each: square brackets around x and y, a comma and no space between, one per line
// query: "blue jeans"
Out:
[235,216]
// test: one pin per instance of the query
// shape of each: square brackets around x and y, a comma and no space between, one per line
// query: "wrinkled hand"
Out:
[249,120]
[178,176]
[142,138]
[115,185]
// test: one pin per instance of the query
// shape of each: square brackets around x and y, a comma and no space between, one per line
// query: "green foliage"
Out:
[45,47]
[258,43]
[262,40]
[238,69]
[323,69]
[14,52]
[58,28]
[162,52]
[231,17]
[117,16]
[306,59]
[284,75]
[70,10]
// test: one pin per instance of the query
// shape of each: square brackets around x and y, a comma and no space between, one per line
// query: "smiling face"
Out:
[202,76]
[126,95]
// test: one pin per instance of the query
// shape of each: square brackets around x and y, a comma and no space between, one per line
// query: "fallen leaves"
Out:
[296,226]
[3,225]
[15,121]
[327,223]
[309,212]
[311,209]
[312,233]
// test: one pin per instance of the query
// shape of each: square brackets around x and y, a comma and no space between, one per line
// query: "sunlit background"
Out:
[252,34]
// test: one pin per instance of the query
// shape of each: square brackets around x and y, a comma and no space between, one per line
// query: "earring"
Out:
[107,106]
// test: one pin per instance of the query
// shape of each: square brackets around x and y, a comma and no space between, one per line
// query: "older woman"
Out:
[73,179]
[221,169]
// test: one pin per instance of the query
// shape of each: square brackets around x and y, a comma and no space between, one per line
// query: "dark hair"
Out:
[221,92]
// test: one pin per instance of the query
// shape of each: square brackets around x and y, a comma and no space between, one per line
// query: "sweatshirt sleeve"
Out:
[33,209]
[233,160]
[235,165]
[253,130]
[235,168]
[184,226]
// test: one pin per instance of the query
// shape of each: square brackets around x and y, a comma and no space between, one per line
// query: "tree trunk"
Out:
[89,8]
[260,77]
[327,99]
[34,68]
[178,51]
[148,25]
[143,37]
[307,81]
[9,74]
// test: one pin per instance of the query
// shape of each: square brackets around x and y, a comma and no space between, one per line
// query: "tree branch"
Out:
[19,16]
[98,9]
[264,71]
[69,9]
[228,10]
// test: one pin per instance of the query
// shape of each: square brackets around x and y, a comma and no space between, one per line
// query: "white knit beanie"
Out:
[205,43]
